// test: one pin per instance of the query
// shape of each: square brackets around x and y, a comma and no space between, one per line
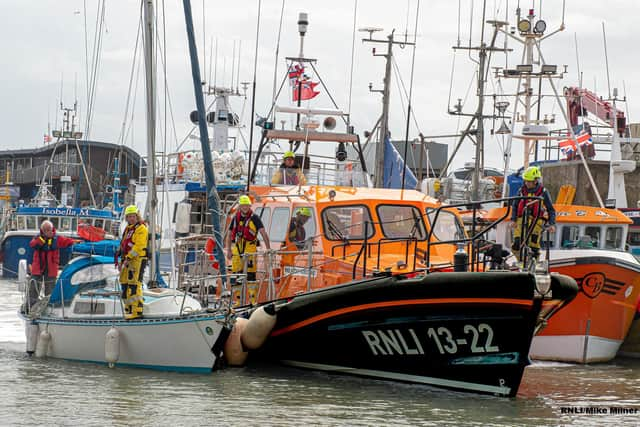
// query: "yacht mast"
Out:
[150,84]
[213,200]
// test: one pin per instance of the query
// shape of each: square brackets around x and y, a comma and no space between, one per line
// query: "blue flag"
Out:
[393,167]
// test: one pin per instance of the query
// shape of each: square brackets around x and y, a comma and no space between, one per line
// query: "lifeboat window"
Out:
[265,217]
[613,239]
[569,236]
[346,222]
[279,223]
[401,222]
[99,223]
[309,226]
[594,234]
[21,223]
[447,226]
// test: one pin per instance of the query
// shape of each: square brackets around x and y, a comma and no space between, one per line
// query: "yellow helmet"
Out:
[131,209]
[304,211]
[289,155]
[531,174]
[244,200]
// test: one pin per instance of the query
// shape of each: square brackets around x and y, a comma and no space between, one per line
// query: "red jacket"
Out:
[46,254]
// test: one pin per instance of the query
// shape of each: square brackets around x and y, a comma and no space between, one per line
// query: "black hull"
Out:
[464,331]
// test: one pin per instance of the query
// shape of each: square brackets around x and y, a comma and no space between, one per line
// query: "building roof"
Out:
[45,150]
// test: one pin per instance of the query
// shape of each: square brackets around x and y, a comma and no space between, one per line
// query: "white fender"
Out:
[31,330]
[112,346]
[42,346]
[22,273]
[260,324]
[183,218]
[233,351]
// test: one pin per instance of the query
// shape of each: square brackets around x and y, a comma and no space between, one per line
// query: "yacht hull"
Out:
[186,344]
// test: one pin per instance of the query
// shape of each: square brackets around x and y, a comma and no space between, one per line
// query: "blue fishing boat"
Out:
[24,224]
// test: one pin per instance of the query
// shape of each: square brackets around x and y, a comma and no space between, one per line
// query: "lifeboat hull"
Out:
[463,331]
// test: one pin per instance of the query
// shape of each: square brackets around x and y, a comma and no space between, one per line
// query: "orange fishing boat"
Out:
[588,245]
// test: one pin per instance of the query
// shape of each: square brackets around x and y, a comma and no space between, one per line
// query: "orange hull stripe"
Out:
[314,319]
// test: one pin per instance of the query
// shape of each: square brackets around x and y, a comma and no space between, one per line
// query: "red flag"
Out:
[295,72]
[307,90]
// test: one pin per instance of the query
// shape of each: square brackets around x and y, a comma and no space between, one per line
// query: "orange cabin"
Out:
[352,233]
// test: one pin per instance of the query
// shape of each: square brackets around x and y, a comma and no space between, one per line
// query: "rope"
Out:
[353,46]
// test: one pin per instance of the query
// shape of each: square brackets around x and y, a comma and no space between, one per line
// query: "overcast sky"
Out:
[43,44]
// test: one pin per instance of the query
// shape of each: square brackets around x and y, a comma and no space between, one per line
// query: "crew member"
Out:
[297,233]
[243,234]
[536,211]
[46,260]
[131,261]
[288,173]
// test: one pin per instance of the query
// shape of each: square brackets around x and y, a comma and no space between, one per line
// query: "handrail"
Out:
[475,206]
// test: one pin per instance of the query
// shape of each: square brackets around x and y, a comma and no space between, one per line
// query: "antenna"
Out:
[606,59]
[370,30]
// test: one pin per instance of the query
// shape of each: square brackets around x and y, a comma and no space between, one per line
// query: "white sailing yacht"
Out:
[83,317]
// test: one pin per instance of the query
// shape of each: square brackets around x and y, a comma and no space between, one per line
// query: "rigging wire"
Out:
[353,50]
[238,68]
[121,137]
[402,90]
[95,66]
[413,63]
[253,95]
[275,66]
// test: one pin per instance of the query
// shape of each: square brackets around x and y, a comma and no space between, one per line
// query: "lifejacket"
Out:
[290,175]
[534,208]
[46,260]
[298,234]
[244,228]
[46,256]
[127,240]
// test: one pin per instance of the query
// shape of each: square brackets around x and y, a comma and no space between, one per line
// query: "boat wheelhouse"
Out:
[24,224]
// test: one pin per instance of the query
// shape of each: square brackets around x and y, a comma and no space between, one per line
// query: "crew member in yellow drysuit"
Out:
[131,260]
[243,234]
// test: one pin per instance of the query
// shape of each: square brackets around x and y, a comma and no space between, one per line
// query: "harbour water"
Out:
[52,392]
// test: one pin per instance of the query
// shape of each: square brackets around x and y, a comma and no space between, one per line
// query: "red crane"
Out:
[582,101]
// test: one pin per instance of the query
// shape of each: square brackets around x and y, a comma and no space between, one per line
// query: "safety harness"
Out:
[535,210]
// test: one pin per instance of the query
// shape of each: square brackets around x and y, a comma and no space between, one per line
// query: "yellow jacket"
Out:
[138,240]
[290,177]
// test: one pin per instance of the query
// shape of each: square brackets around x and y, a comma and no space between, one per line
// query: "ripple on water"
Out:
[54,392]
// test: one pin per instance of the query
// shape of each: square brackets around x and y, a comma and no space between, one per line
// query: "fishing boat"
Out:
[588,245]
[19,225]
[589,242]
[24,224]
